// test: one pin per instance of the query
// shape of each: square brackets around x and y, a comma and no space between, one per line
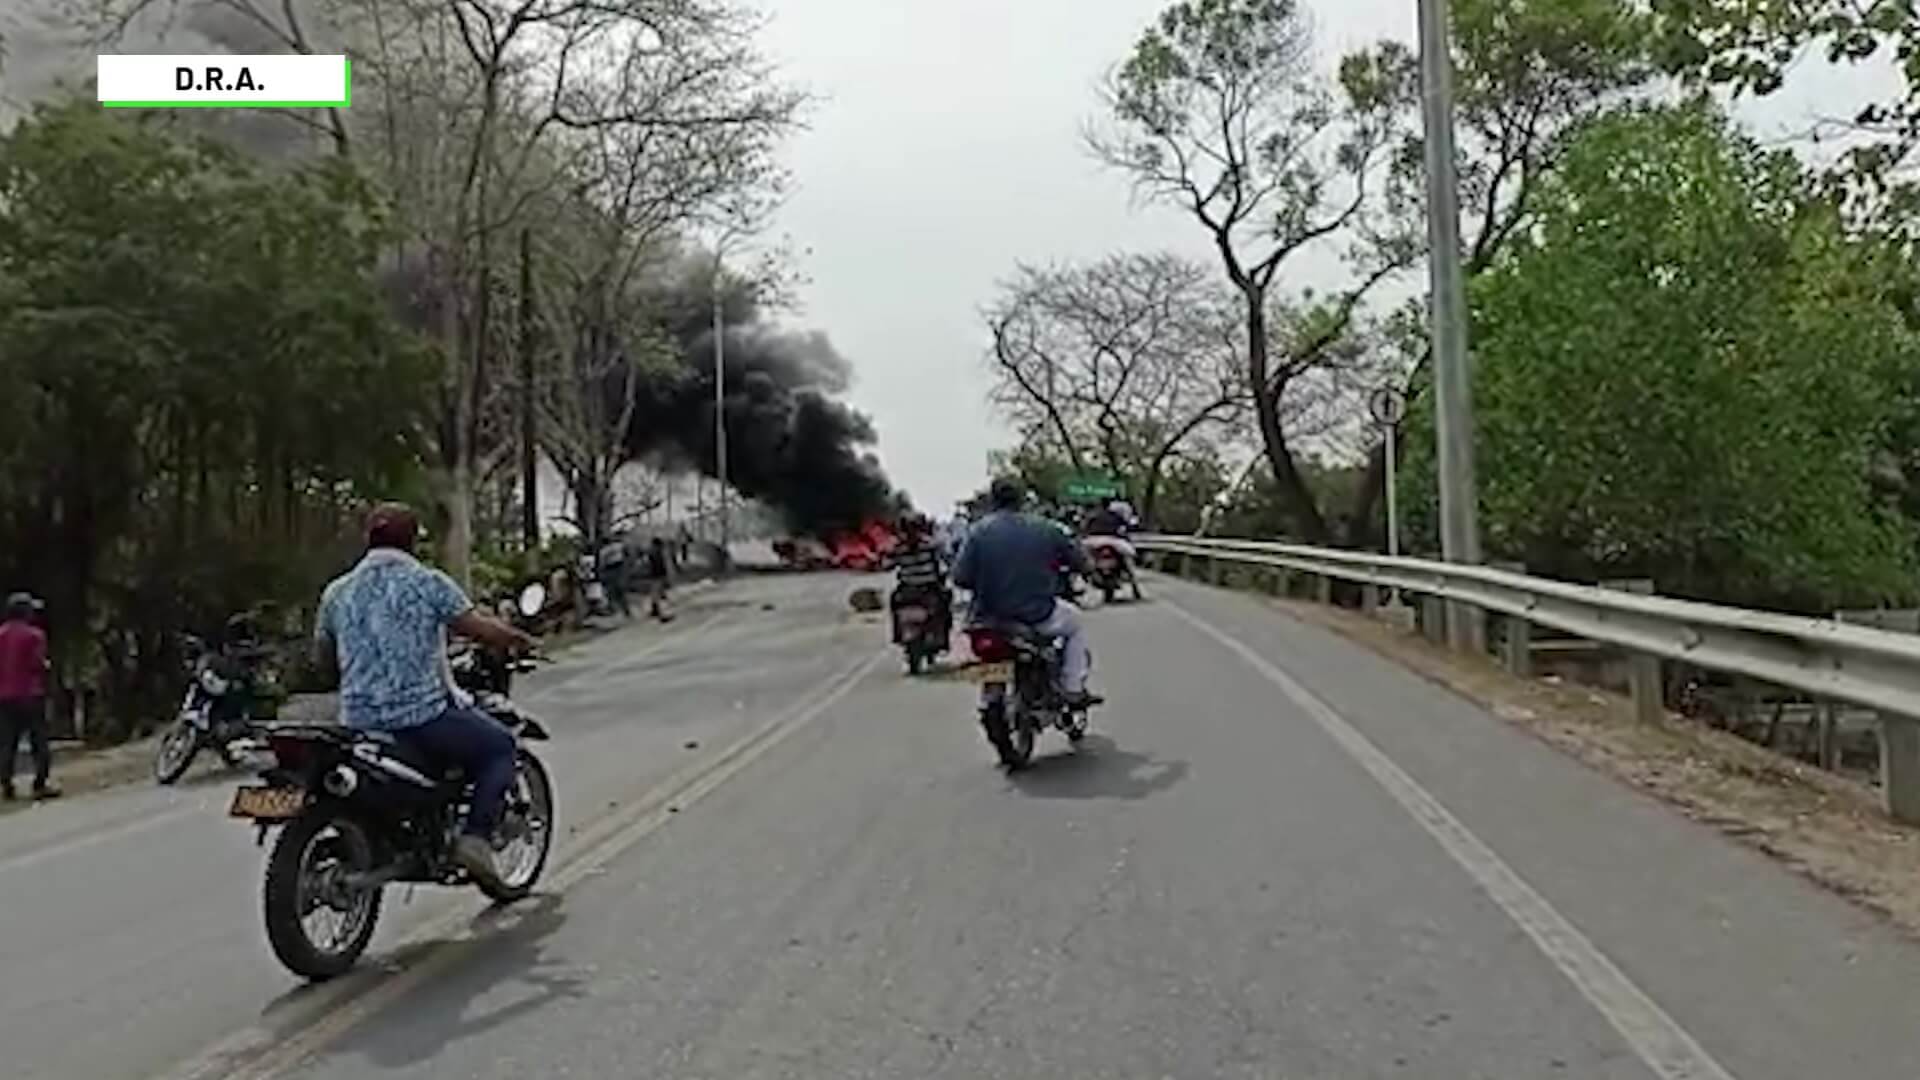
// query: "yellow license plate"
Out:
[267,804]
[1001,672]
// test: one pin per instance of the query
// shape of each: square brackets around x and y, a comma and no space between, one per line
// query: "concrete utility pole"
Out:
[529,466]
[1452,376]
[720,400]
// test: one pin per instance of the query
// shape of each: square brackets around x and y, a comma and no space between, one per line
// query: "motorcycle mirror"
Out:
[533,598]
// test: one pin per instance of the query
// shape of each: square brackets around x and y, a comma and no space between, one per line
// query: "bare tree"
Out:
[1126,362]
[1219,110]
[474,115]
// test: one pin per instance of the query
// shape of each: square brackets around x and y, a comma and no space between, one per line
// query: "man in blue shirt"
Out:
[1010,563]
[384,625]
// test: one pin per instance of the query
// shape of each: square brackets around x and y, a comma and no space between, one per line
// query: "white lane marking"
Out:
[1656,1037]
[271,1048]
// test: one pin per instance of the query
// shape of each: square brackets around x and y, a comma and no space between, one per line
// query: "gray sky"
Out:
[946,148]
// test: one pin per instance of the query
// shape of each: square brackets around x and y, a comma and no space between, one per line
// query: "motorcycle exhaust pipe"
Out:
[340,781]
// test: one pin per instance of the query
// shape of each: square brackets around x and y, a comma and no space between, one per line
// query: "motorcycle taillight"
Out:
[288,751]
[989,645]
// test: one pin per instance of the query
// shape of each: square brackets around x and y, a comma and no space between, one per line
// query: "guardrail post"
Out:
[1322,589]
[1643,670]
[1216,567]
[1900,766]
[1516,634]
[1433,619]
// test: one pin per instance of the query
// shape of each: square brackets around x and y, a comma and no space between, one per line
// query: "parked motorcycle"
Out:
[359,810]
[1018,669]
[229,694]
[921,627]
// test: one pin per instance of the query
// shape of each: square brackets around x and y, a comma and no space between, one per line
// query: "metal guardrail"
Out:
[1825,658]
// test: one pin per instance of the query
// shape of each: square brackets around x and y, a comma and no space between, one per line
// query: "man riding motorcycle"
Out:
[1107,527]
[383,625]
[919,572]
[1008,564]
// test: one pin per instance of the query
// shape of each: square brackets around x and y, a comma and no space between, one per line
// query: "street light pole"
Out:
[1452,377]
[720,402]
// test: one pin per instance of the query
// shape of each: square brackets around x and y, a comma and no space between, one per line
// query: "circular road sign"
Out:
[1388,406]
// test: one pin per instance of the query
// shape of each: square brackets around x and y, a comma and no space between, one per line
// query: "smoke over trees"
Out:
[790,442]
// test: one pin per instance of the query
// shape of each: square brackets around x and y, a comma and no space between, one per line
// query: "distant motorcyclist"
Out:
[1010,565]
[920,571]
[1107,527]
[383,625]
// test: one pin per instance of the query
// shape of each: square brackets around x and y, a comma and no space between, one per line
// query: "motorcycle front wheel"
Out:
[176,752]
[525,834]
[317,921]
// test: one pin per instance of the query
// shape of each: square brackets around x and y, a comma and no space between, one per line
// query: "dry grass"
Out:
[1828,828]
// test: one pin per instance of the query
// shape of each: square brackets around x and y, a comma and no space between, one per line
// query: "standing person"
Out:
[383,626]
[613,576]
[660,568]
[23,697]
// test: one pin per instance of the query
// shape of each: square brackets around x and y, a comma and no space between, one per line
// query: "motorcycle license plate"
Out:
[913,616]
[267,803]
[1001,672]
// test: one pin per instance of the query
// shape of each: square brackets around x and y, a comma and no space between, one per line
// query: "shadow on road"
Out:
[1097,769]
[506,974]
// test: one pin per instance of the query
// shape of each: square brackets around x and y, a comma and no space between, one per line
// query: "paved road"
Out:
[1279,856]
[129,921]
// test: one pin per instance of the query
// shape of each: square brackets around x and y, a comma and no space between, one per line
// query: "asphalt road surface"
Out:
[1278,856]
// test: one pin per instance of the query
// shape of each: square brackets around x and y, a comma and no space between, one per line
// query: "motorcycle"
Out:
[358,810]
[226,699]
[1110,567]
[1018,669]
[920,628]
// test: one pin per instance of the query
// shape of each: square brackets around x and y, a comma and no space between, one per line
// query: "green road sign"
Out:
[1086,489]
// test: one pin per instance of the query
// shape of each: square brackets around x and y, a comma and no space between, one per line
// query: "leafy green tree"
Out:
[204,384]
[1685,370]
[1526,74]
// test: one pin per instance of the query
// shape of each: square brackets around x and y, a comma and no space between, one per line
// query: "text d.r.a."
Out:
[213,78]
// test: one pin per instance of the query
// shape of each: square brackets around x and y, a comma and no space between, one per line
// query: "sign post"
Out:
[1388,407]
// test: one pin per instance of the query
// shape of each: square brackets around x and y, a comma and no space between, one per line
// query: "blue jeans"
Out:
[482,748]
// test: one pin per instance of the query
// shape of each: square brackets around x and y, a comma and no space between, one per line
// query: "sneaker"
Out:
[1083,700]
[46,791]
[475,854]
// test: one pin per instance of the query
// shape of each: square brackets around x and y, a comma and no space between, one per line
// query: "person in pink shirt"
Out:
[23,697]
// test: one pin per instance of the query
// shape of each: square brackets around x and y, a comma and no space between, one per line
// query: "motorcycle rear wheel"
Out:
[1025,734]
[304,873]
[178,747]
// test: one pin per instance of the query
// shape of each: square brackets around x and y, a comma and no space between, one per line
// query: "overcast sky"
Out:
[945,148]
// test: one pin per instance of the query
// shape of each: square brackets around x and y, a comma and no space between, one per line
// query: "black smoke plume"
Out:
[790,442]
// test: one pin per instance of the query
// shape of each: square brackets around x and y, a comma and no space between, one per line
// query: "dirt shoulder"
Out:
[78,769]
[1825,827]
